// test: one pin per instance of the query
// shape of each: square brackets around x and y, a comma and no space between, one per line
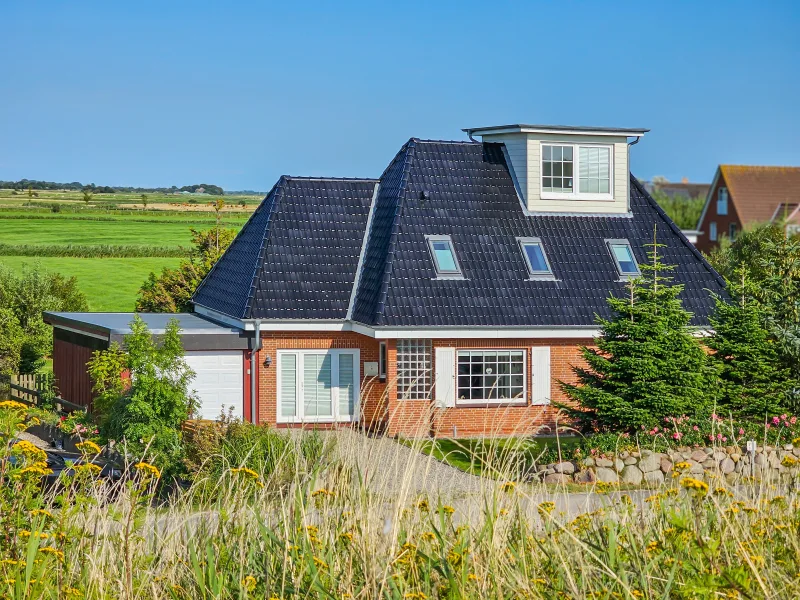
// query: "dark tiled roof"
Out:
[296,257]
[471,197]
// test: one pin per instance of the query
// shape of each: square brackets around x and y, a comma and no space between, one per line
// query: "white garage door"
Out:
[218,381]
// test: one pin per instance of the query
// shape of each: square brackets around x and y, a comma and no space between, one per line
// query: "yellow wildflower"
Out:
[28,450]
[88,469]
[321,564]
[472,577]
[695,485]
[54,551]
[423,505]
[12,405]
[545,508]
[41,512]
[147,470]
[789,461]
[249,583]
[88,447]
[249,475]
[320,492]
[447,509]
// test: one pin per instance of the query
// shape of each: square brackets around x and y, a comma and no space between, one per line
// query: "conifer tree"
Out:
[753,380]
[647,364]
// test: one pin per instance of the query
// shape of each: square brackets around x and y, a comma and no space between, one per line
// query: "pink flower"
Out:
[784,417]
[719,436]
[677,435]
[696,428]
[768,426]
[655,429]
[724,439]
[714,417]
[711,437]
[776,420]
[793,420]
[741,431]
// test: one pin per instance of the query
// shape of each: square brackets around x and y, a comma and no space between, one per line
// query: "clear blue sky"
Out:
[236,93]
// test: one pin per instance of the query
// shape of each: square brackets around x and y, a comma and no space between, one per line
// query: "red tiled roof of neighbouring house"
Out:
[757,191]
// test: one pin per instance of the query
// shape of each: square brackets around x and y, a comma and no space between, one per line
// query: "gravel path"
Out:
[35,440]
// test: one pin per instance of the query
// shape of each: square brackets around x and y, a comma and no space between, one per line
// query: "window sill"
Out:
[449,278]
[589,197]
[543,278]
[314,420]
[490,404]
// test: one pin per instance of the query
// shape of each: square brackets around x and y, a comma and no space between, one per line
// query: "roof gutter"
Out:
[256,346]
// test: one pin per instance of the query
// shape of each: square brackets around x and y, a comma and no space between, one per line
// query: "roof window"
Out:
[444,257]
[535,258]
[623,257]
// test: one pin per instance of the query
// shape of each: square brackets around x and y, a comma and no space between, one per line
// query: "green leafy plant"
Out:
[144,394]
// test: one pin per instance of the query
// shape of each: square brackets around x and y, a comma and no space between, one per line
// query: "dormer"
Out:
[559,169]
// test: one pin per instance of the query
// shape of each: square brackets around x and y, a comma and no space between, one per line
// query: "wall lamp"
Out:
[268,361]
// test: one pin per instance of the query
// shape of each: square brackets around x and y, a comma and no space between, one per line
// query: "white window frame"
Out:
[576,195]
[712,231]
[458,273]
[547,275]
[722,201]
[733,229]
[622,275]
[299,417]
[521,401]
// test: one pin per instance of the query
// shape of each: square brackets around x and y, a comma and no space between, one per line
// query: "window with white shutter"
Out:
[540,375]
[445,363]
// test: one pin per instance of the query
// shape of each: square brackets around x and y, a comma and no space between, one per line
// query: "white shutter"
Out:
[445,377]
[540,374]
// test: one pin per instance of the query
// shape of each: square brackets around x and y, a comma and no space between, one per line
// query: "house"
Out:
[682,189]
[742,196]
[449,295]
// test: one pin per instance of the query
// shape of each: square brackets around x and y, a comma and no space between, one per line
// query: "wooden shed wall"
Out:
[71,352]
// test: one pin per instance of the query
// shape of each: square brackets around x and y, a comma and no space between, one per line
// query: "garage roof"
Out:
[197,333]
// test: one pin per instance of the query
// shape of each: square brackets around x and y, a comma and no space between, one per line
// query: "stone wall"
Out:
[646,467]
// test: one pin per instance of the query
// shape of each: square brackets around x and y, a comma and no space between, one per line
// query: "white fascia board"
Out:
[487,332]
[97,336]
[545,130]
[219,317]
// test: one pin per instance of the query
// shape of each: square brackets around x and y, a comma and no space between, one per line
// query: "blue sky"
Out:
[158,92]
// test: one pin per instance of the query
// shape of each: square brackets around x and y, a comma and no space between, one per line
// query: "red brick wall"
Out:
[415,418]
[380,407]
[372,390]
[723,222]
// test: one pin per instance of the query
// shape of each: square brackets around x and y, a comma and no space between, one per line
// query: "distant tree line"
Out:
[77,186]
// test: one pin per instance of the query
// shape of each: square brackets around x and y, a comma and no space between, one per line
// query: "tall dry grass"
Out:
[371,518]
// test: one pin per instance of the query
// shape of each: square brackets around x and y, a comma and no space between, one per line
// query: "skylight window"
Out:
[623,257]
[444,256]
[535,257]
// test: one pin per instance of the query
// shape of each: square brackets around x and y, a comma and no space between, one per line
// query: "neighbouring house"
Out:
[741,196]
[681,189]
[447,297]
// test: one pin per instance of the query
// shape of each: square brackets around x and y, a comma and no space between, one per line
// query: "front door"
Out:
[318,386]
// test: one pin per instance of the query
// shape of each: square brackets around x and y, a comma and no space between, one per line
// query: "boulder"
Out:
[760,460]
[624,454]
[709,463]
[584,476]
[606,475]
[719,455]
[695,467]
[698,456]
[654,477]
[666,464]
[619,465]
[631,474]
[588,461]
[565,467]
[736,457]
[651,462]
[788,447]
[727,465]
[556,478]
[603,462]
[796,451]
[630,461]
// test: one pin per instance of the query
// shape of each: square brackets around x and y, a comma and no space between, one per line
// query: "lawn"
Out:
[110,284]
[494,457]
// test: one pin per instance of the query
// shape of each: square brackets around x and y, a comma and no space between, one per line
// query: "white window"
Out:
[576,171]
[712,231]
[316,386]
[444,256]
[414,358]
[722,201]
[490,376]
[535,258]
[623,258]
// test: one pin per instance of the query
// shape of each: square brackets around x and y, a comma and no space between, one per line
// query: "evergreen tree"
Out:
[647,364]
[753,380]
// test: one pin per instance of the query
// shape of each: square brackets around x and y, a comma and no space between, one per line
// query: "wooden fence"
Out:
[28,389]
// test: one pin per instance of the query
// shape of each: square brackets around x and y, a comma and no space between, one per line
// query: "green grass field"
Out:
[110,284]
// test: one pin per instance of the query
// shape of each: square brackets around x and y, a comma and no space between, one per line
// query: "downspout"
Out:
[253,370]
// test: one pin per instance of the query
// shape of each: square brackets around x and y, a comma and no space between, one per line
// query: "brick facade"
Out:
[704,242]
[381,409]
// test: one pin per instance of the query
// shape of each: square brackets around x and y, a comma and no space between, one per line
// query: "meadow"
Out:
[110,243]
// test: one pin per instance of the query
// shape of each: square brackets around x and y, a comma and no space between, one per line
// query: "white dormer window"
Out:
[575,171]
[722,201]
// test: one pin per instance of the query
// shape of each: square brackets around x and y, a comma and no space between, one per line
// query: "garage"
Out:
[218,381]
[218,354]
